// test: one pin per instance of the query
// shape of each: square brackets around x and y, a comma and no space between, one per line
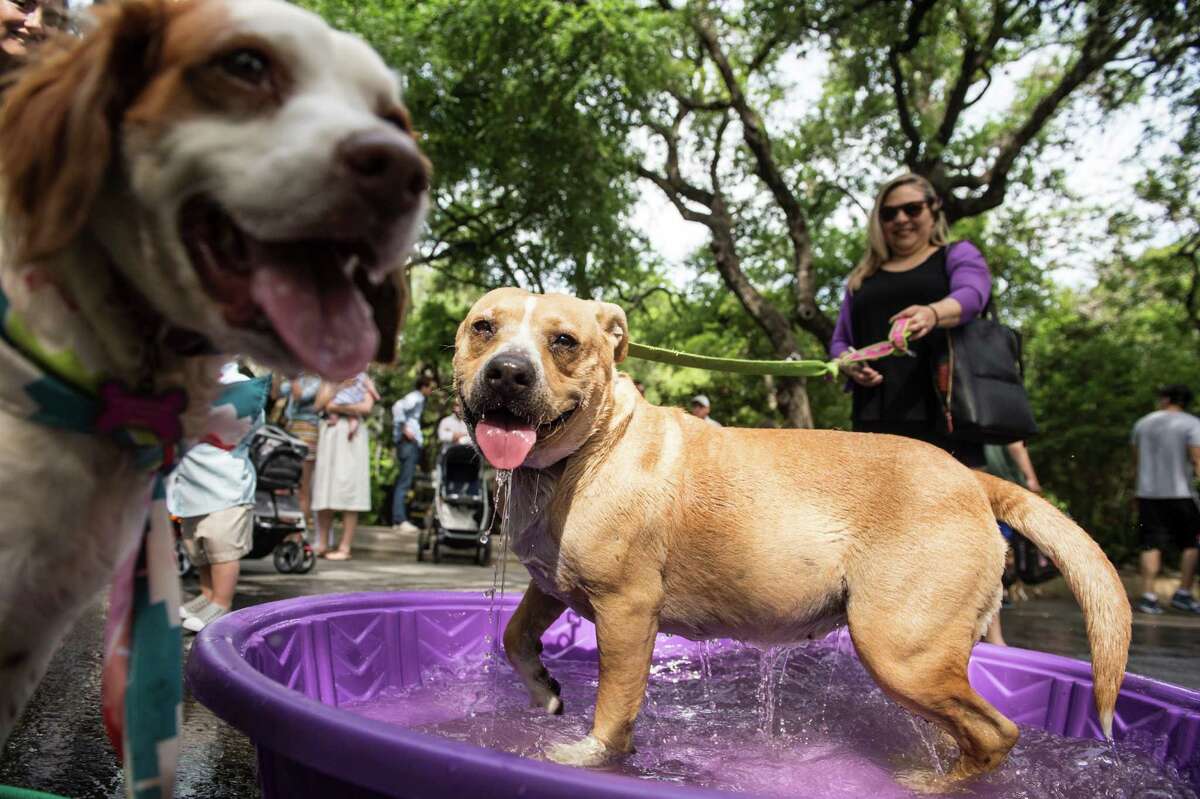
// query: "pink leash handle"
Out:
[897,343]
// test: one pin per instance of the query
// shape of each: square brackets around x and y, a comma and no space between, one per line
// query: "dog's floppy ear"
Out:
[389,303]
[59,120]
[611,319]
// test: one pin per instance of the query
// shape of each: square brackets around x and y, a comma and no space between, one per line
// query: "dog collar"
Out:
[55,389]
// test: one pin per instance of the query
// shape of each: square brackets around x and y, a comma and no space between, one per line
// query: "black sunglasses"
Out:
[911,210]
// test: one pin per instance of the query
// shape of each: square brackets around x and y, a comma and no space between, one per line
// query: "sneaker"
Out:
[193,606]
[406,528]
[206,616]
[1184,601]
[1150,606]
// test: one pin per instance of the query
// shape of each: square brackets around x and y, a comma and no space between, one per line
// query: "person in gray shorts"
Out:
[212,492]
[1166,449]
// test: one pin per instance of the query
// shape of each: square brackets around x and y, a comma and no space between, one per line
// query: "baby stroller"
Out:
[278,459]
[461,515]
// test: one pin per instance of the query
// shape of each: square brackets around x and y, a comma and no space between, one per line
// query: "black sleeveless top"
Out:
[906,394]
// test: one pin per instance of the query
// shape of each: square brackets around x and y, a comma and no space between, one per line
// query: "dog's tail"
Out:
[1088,572]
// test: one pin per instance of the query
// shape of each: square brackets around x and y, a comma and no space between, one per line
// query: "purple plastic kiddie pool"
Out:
[284,672]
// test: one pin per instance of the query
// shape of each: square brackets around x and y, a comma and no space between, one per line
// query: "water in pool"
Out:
[806,721]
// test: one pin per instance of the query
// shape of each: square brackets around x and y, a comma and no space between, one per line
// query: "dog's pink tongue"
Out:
[320,316]
[505,444]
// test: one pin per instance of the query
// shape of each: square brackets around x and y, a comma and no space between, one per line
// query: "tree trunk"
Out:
[792,394]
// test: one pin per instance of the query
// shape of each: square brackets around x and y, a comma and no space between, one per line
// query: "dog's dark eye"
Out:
[564,341]
[483,327]
[247,65]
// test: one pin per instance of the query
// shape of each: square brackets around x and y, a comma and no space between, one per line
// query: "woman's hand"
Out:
[922,319]
[862,374]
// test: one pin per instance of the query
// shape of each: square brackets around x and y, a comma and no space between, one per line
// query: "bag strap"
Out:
[989,310]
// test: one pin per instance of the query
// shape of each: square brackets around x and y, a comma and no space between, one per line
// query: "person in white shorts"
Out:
[212,490]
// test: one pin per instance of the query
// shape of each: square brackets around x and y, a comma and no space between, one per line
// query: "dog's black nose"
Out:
[387,168]
[509,374]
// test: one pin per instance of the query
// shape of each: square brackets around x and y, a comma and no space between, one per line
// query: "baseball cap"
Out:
[700,399]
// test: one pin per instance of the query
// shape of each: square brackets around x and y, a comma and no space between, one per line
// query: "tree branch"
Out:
[912,28]
[1100,45]
[670,137]
[693,104]
[764,51]
[674,195]
[974,58]
[632,303]
[911,39]
[907,124]
[755,135]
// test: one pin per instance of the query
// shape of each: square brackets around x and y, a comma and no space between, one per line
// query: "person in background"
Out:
[910,270]
[452,429]
[212,490]
[406,433]
[1166,452]
[302,420]
[24,23]
[342,476]
[1010,462]
[352,393]
[701,408]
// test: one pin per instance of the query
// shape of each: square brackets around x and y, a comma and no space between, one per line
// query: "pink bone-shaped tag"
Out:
[158,414]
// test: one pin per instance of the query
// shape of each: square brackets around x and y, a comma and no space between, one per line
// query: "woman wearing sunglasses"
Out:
[909,270]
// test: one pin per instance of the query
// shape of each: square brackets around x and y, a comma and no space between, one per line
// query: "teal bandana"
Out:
[142,684]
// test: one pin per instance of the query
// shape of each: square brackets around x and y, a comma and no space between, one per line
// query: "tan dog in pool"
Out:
[648,520]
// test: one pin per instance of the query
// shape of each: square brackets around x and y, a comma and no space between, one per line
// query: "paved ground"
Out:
[59,745]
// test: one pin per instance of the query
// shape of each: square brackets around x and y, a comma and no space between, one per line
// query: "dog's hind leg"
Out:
[523,646]
[920,661]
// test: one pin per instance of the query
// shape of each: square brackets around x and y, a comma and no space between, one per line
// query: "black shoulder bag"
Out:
[980,383]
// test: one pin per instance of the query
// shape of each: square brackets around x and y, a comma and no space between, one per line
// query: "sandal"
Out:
[337,554]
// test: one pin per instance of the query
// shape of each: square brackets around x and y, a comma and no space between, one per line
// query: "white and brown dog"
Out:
[652,521]
[193,176]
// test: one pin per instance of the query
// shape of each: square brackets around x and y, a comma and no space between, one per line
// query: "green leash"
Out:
[897,344]
[739,366]
[11,792]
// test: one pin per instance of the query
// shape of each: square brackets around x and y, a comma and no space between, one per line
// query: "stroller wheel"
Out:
[289,556]
[483,554]
[308,559]
[182,562]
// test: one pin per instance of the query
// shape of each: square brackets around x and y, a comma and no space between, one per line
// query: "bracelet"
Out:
[937,320]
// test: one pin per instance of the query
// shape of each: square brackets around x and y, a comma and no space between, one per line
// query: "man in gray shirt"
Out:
[1166,449]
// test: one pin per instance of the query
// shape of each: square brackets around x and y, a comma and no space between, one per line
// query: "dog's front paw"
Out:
[590,751]
[926,781]
[546,695]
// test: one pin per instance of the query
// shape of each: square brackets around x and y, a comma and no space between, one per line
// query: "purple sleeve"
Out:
[842,339]
[970,280]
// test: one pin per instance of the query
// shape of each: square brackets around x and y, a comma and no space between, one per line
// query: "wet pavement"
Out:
[59,745]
